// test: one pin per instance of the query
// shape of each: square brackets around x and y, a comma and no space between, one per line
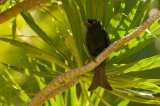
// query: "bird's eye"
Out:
[92,21]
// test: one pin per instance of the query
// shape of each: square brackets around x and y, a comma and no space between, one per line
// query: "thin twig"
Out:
[19,8]
[56,91]
[62,88]
[40,97]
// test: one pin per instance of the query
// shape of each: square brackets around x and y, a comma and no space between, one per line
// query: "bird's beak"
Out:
[87,24]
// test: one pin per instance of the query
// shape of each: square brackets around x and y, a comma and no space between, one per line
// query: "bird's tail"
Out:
[99,78]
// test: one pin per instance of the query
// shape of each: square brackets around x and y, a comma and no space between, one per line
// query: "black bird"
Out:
[97,40]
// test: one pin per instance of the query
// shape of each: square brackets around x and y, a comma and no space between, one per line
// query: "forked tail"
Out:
[99,78]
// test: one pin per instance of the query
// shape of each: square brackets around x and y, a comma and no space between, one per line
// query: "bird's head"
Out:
[93,23]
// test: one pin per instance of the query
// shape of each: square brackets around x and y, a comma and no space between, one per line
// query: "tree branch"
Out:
[62,88]
[19,8]
[40,97]
[56,91]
